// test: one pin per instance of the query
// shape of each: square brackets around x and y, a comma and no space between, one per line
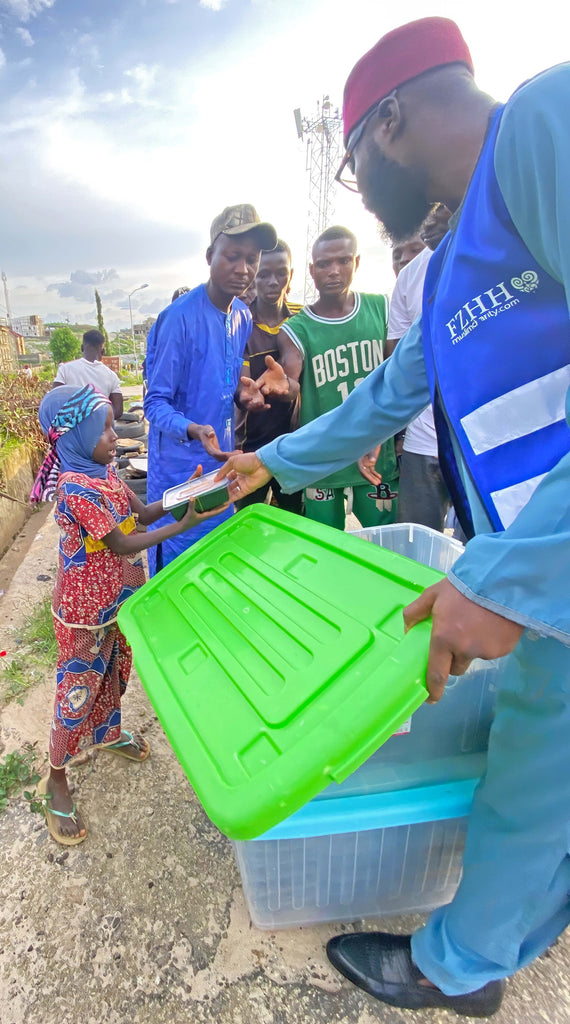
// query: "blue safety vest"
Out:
[496,337]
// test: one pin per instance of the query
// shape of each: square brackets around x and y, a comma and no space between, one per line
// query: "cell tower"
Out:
[322,135]
[7,299]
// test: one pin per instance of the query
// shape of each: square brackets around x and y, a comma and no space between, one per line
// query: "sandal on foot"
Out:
[50,814]
[117,748]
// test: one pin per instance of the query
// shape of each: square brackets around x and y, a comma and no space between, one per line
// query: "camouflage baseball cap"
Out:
[239,220]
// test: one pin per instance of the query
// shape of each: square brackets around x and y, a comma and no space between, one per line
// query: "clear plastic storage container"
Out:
[353,857]
[390,838]
[426,750]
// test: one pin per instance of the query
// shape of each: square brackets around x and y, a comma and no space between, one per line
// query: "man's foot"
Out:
[133,746]
[64,821]
[382,965]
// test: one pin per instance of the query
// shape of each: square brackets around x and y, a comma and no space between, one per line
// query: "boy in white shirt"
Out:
[90,370]
[424,497]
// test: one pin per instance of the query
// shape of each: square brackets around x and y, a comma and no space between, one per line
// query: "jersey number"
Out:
[343,388]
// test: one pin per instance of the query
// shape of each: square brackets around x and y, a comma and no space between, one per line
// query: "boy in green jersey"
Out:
[326,350]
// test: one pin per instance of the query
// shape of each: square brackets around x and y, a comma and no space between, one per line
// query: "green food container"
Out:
[203,503]
[205,491]
[274,654]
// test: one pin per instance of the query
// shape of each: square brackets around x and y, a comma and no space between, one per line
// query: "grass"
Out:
[129,379]
[19,769]
[38,633]
[39,648]
[16,680]
[47,371]
[10,444]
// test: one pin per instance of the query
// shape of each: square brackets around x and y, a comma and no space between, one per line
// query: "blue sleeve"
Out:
[524,572]
[387,400]
[168,366]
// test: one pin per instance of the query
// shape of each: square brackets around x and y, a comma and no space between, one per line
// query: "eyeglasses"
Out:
[353,139]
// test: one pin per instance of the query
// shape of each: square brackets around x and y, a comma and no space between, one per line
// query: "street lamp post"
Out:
[131,315]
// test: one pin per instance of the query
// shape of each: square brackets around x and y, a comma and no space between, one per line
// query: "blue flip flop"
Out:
[51,814]
[115,748]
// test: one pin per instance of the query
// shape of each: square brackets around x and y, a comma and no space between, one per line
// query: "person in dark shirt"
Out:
[259,421]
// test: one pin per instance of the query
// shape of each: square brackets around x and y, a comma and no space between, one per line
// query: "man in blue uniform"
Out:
[491,352]
[193,367]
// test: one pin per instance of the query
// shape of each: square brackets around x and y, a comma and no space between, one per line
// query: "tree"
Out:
[100,324]
[64,345]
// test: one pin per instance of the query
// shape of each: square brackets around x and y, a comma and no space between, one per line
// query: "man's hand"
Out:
[367,466]
[206,435]
[251,397]
[274,381]
[246,473]
[461,631]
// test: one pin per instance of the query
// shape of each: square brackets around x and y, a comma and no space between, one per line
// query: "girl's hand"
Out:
[192,518]
[197,472]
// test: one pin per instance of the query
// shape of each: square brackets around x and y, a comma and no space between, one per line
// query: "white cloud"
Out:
[86,49]
[25,9]
[144,75]
[2,59]
[213,5]
[25,36]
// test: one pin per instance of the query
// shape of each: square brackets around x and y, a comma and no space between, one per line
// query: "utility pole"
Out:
[322,135]
[138,289]
[7,299]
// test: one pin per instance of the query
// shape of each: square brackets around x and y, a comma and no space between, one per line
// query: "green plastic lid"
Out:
[274,654]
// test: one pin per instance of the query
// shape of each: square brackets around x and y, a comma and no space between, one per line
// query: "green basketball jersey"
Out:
[338,354]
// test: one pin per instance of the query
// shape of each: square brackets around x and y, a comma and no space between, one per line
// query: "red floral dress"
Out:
[94,660]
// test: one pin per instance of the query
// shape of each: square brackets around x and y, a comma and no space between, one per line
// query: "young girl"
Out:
[99,568]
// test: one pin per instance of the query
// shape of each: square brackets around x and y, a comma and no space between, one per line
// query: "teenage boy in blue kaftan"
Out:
[193,367]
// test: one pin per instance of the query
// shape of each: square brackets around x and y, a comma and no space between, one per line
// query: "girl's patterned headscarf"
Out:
[73,419]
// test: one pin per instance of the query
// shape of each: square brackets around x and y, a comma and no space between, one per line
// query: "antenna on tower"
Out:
[7,299]
[322,135]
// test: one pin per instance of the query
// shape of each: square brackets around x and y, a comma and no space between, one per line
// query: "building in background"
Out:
[11,346]
[28,326]
[141,330]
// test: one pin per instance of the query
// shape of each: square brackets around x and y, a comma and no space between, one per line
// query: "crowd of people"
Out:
[473,355]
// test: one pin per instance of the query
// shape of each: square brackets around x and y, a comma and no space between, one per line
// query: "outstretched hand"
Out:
[206,435]
[251,397]
[273,381]
[367,466]
[461,631]
[245,472]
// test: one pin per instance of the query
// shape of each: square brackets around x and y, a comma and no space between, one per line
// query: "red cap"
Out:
[402,54]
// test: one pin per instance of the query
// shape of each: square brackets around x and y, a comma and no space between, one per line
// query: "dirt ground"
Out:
[146,920]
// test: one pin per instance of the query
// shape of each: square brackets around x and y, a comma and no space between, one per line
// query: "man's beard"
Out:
[396,195]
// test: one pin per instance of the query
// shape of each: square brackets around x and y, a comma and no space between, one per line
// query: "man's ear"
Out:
[291,272]
[311,271]
[389,116]
[356,263]
[209,254]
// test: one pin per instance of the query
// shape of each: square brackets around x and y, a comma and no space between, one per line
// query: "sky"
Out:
[127,125]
